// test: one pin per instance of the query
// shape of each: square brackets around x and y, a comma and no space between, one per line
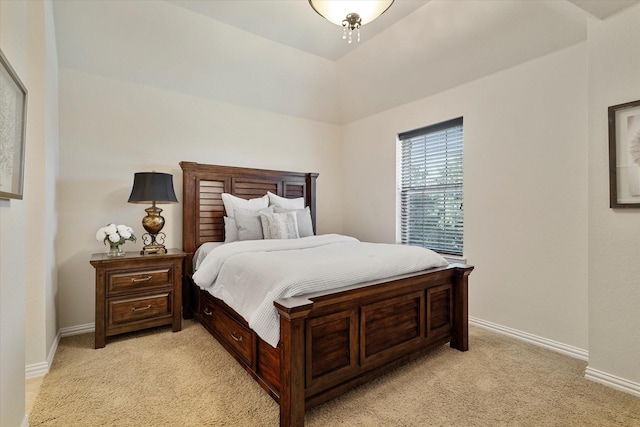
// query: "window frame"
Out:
[444,184]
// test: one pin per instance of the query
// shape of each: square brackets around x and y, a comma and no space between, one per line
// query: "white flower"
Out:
[124,231]
[111,229]
[101,235]
[115,234]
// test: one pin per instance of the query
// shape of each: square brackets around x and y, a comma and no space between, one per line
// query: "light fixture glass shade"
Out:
[336,10]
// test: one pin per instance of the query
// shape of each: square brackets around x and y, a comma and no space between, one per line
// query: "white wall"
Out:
[13,42]
[614,235]
[525,189]
[51,176]
[25,38]
[40,187]
[113,125]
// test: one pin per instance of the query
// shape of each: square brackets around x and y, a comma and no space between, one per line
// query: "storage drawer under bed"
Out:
[231,333]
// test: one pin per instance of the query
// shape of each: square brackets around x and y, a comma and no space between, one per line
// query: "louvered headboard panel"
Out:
[210,222]
[203,185]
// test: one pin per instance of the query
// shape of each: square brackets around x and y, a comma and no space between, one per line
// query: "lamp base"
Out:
[152,246]
[153,249]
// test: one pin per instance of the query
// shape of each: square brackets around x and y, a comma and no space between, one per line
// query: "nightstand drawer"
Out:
[235,334]
[134,309]
[133,280]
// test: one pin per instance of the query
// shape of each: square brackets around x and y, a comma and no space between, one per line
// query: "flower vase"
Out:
[115,250]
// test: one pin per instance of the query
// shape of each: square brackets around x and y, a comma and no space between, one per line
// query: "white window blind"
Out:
[430,186]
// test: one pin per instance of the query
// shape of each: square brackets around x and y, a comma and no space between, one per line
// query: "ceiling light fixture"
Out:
[350,14]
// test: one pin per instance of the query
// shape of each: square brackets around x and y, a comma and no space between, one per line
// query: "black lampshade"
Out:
[151,187]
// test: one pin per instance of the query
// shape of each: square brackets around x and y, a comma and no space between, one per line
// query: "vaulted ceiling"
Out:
[281,56]
[295,24]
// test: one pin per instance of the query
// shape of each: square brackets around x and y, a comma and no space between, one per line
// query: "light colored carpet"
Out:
[160,378]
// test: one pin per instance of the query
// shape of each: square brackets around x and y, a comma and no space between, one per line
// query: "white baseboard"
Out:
[612,381]
[25,421]
[36,370]
[559,347]
[41,369]
[54,348]
[78,330]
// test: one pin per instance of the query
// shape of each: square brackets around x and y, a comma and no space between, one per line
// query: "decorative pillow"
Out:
[303,216]
[279,225]
[231,203]
[283,202]
[248,223]
[230,230]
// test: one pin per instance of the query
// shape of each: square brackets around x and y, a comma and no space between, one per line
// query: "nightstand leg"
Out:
[100,333]
[177,296]
[100,339]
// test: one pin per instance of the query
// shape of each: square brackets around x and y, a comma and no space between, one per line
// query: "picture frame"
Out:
[624,155]
[13,127]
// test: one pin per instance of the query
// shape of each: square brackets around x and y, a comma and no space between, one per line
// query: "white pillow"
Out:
[232,202]
[248,223]
[279,225]
[303,216]
[230,230]
[283,202]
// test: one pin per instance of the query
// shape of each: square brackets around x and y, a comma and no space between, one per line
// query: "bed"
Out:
[330,341]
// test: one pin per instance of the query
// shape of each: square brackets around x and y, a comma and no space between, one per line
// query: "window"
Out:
[430,187]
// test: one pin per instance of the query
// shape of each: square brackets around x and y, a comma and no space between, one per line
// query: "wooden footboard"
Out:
[332,342]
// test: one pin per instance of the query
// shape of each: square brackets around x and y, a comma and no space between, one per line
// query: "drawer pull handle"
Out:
[235,337]
[207,312]
[134,309]
[144,279]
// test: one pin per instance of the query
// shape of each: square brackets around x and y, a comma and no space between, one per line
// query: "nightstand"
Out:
[136,292]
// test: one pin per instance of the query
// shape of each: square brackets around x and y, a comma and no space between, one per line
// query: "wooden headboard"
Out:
[202,207]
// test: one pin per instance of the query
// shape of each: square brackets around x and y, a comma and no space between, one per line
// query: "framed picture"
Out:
[624,155]
[13,125]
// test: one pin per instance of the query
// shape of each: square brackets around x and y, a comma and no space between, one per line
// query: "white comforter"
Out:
[250,275]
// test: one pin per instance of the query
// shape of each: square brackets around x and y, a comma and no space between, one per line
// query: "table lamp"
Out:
[153,187]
